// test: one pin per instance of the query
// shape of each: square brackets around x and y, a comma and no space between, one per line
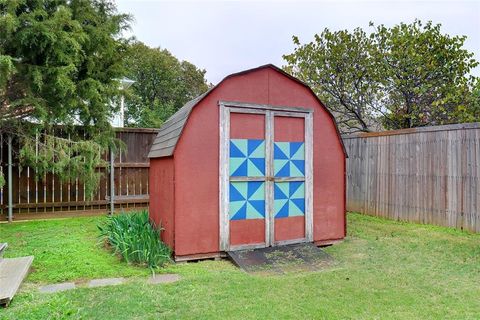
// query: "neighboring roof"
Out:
[171,130]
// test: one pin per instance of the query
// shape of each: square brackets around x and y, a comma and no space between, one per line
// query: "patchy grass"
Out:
[384,270]
[67,249]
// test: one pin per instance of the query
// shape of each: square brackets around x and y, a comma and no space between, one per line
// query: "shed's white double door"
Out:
[265,175]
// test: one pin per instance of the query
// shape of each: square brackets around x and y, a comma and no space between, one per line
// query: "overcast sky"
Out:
[229,36]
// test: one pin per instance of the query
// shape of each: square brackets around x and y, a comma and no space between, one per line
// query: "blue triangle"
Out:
[235,195]
[259,163]
[294,146]
[283,212]
[294,185]
[235,152]
[253,186]
[241,213]
[252,145]
[259,205]
[241,170]
[278,153]
[285,171]
[300,164]
[278,194]
[300,203]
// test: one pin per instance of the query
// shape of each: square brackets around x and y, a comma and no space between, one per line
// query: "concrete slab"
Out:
[58,287]
[105,282]
[12,273]
[163,278]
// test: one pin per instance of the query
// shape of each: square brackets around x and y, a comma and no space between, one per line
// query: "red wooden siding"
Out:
[248,231]
[162,210]
[289,129]
[247,126]
[289,228]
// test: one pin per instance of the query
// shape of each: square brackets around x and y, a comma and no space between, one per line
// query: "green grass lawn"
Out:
[383,270]
[66,249]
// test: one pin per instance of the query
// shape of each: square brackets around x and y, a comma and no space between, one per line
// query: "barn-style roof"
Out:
[171,130]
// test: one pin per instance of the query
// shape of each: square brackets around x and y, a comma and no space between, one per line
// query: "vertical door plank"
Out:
[269,214]
[309,177]
[223,177]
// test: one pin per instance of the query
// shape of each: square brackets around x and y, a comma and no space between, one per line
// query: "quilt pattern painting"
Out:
[247,158]
[289,159]
[247,198]
[289,198]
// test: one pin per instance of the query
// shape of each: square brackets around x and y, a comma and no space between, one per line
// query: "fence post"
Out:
[10,177]
[112,182]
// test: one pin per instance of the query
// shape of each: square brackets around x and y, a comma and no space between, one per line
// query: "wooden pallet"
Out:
[12,273]
[280,259]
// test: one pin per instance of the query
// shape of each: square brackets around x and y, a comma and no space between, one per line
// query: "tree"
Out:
[59,61]
[469,111]
[338,67]
[162,85]
[425,74]
[406,76]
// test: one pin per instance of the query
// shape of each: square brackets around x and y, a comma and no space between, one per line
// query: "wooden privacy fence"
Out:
[427,175]
[33,197]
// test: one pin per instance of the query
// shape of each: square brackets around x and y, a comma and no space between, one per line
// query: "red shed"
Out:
[256,161]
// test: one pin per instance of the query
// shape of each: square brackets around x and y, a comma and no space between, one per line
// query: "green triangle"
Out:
[278,204]
[278,165]
[259,194]
[294,172]
[293,210]
[259,152]
[252,213]
[241,187]
[241,144]
[285,147]
[235,163]
[252,170]
[299,193]
[284,187]
[300,154]
[234,207]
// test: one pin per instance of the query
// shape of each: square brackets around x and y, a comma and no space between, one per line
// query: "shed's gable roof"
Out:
[171,130]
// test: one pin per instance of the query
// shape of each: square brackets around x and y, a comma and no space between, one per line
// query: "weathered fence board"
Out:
[51,195]
[427,175]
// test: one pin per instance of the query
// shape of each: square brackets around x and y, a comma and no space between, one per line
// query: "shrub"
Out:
[133,237]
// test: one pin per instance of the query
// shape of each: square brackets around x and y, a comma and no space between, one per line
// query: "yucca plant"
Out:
[132,237]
